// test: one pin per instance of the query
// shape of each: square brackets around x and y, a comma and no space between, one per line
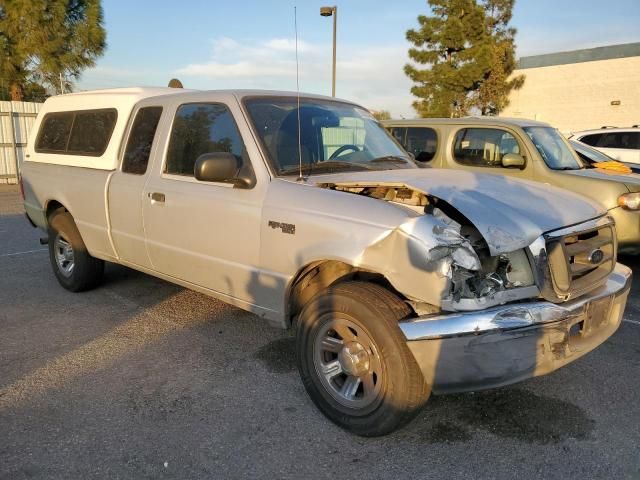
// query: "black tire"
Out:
[396,388]
[86,271]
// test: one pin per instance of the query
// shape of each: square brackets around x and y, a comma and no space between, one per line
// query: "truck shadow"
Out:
[509,412]
[512,413]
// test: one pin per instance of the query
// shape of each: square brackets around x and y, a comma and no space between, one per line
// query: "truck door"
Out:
[127,186]
[204,233]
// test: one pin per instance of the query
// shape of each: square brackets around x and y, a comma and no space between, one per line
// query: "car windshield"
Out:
[588,153]
[553,148]
[331,137]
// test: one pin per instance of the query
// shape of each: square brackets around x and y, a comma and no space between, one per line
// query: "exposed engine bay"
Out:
[459,252]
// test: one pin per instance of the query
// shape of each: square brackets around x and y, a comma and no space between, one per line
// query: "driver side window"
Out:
[200,128]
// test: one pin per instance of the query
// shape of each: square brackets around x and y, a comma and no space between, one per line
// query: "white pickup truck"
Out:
[400,281]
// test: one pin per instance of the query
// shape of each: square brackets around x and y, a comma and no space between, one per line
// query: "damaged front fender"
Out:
[418,256]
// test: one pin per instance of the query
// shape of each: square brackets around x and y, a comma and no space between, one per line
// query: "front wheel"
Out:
[354,361]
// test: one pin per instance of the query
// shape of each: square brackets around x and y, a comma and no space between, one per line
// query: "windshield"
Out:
[333,137]
[589,153]
[553,148]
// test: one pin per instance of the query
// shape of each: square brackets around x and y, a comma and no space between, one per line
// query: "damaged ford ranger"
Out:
[400,281]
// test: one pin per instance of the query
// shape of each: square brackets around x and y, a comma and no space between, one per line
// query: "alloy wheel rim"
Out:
[64,255]
[348,363]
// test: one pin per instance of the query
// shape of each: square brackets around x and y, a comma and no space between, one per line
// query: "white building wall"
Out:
[578,96]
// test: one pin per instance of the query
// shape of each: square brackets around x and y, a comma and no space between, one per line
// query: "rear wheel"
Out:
[72,265]
[354,361]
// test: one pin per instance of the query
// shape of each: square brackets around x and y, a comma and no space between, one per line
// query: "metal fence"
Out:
[16,120]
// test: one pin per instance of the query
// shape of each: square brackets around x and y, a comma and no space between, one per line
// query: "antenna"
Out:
[295,25]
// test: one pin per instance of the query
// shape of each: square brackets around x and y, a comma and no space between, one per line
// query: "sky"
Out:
[251,44]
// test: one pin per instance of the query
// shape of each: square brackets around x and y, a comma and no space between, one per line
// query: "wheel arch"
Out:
[51,206]
[318,275]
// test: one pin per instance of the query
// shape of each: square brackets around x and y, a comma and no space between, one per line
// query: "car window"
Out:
[318,136]
[200,128]
[592,139]
[483,147]
[422,142]
[554,148]
[588,153]
[91,132]
[399,133]
[624,140]
[136,154]
[85,132]
[54,132]
[350,131]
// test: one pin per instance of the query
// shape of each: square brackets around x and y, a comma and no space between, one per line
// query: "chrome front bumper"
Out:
[503,345]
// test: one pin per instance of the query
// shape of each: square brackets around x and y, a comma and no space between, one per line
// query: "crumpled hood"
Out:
[509,213]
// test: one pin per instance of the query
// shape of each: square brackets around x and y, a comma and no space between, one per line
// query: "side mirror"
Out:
[221,167]
[513,160]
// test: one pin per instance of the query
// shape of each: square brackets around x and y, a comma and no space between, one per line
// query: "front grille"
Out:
[580,258]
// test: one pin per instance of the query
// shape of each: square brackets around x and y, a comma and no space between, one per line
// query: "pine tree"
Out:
[381,114]
[48,41]
[455,45]
[493,95]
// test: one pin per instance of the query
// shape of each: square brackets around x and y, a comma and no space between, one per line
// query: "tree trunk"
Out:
[15,91]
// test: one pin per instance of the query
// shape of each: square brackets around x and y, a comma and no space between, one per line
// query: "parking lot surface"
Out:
[143,379]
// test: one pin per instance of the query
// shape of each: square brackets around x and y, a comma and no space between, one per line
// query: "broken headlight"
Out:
[502,272]
[461,253]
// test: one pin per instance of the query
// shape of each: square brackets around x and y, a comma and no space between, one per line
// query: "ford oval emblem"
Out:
[596,256]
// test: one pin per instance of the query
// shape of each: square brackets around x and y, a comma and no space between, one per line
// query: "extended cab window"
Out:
[136,155]
[201,128]
[85,132]
[483,147]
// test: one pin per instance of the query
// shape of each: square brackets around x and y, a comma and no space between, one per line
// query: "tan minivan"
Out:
[524,149]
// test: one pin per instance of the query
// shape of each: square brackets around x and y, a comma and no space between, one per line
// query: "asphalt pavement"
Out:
[143,379]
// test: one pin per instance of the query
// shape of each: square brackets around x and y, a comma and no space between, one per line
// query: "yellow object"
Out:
[613,166]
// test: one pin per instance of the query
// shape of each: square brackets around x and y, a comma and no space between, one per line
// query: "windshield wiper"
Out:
[390,159]
[331,165]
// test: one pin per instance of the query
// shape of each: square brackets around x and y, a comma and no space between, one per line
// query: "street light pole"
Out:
[332,12]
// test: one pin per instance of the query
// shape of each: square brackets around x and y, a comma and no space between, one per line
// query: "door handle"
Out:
[156,197]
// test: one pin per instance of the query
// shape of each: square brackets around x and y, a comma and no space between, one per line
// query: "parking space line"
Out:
[23,253]
[635,322]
